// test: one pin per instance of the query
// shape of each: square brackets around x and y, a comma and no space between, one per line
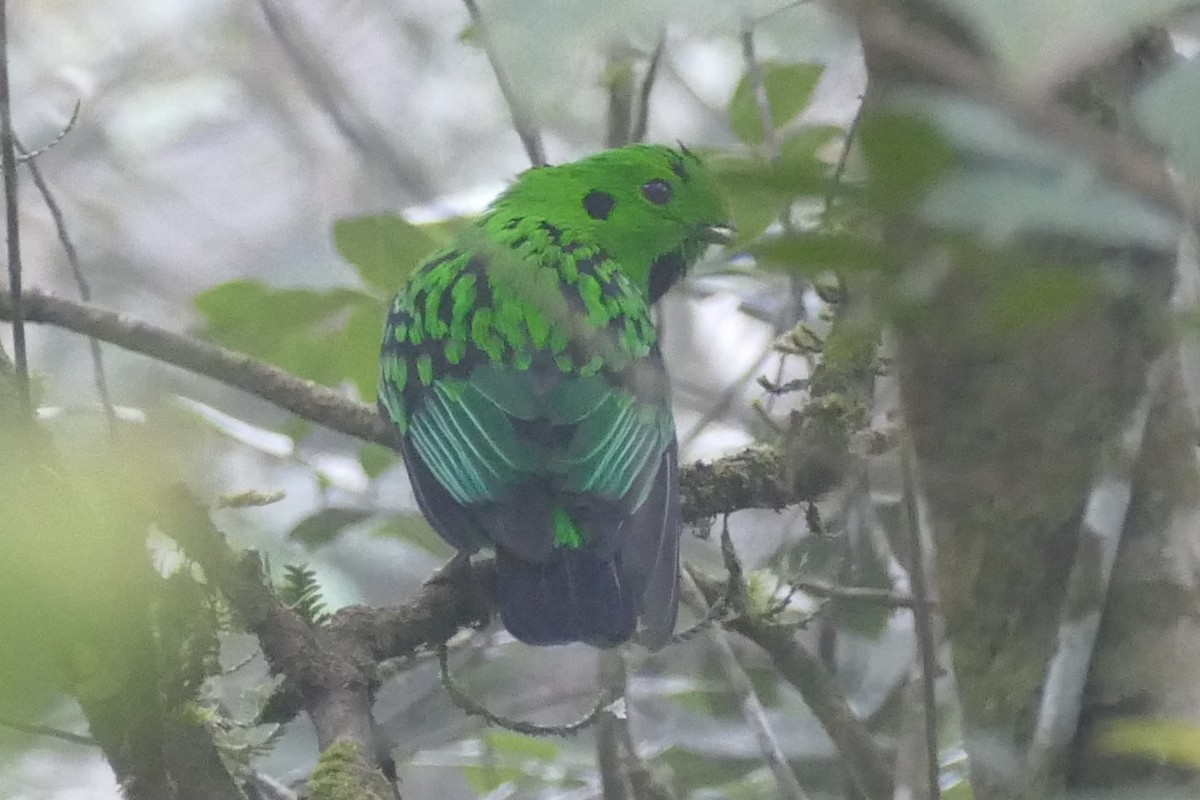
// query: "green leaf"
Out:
[383,248]
[375,458]
[757,191]
[297,428]
[512,755]
[1163,741]
[788,87]
[414,529]
[326,336]
[1025,296]
[905,156]
[521,746]
[817,251]
[324,526]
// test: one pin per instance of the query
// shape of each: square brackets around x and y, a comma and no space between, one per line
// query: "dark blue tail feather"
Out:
[573,596]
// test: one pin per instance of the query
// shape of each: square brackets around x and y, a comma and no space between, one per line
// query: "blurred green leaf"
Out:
[375,458]
[905,156]
[1024,297]
[76,578]
[520,746]
[1162,741]
[758,191]
[513,755]
[297,428]
[326,336]
[788,87]
[415,529]
[325,525]
[817,251]
[383,248]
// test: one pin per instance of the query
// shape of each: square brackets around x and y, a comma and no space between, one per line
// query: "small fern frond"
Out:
[302,593]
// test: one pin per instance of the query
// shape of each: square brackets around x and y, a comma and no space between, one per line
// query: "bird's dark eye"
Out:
[657,191]
[598,204]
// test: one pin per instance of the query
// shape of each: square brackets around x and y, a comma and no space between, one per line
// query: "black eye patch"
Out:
[657,191]
[679,169]
[599,204]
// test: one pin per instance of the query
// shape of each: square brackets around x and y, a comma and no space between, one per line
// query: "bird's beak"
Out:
[720,233]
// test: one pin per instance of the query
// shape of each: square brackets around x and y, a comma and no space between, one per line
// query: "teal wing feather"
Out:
[519,444]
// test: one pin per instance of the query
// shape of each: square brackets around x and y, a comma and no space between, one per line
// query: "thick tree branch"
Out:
[332,676]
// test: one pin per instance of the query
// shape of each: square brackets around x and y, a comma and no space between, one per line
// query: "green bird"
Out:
[520,367]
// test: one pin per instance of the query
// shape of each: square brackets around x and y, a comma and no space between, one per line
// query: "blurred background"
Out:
[220,140]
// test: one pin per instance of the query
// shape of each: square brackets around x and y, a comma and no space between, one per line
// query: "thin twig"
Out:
[53,733]
[752,708]
[64,237]
[8,162]
[615,780]
[619,76]
[475,709]
[336,101]
[839,170]
[754,74]
[776,11]
[866,761]
[642,121]
[884,597]
[1087,588]
[915,525]
[58,137]
[522,121]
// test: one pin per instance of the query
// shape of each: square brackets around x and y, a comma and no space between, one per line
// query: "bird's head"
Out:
[653,209]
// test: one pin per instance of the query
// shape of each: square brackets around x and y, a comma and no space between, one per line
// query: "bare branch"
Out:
[754,74]
[306,399]
[915,526]
[363,133]
[642,121]
[26,155]
[522,120]
[885,597]
[618,74]
[8,162]
[64,237]
[615,783]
